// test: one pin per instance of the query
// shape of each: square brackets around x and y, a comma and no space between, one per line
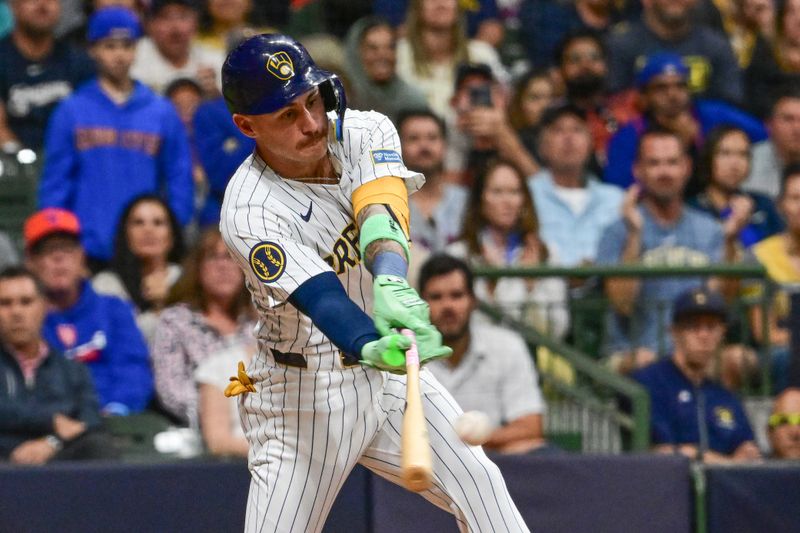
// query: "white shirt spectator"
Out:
[496,375]
[438,85]
[766,170]
[216,371]
[152,69]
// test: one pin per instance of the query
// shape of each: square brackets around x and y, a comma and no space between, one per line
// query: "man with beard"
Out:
[690,414]
[656,227]
[668,25]
[437,210]
[583,63]
[36,72]
[666,101]
[491,369]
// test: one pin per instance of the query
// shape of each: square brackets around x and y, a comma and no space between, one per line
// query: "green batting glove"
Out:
[397,305]
[387,353]
[429,344]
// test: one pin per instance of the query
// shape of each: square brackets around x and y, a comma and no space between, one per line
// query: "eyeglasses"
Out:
[782,419]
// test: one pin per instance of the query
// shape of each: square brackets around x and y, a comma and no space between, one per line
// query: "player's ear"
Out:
[244,124]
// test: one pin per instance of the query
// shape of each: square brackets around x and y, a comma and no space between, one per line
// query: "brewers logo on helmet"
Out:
[266,72]
[280,66]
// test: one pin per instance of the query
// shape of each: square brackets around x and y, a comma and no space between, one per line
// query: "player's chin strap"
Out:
[333,97]
[240,383]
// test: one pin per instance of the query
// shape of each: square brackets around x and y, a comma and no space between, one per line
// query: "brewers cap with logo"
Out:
[48,222]
[113,22]
[698,301]
[266,72]
[659,64]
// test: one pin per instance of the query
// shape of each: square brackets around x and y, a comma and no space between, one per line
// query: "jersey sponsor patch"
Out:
[268,261]
[385,156]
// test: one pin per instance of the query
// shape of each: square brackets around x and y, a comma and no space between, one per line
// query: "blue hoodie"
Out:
[100,331]
[100,155]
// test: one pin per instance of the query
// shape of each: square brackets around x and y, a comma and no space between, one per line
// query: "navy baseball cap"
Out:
[114,22]
[698,301]
[659,64]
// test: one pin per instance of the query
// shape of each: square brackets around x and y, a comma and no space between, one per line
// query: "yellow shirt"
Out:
[773,255]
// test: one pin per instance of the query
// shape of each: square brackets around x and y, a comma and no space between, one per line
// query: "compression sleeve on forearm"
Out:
[324,300]
[389,263]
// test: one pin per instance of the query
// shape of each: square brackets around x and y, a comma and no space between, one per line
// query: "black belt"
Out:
[298,360]
[289,359]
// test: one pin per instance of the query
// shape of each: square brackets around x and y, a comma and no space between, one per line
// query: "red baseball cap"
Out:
[48,221]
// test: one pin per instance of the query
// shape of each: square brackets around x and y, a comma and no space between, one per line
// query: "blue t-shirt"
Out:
[694,240]
[713,69]
[676,403]
[30,90]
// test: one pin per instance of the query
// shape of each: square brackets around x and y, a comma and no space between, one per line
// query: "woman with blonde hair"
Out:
[435,42]
[210,311]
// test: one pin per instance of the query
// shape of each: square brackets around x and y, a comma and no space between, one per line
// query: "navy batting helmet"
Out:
[268,71]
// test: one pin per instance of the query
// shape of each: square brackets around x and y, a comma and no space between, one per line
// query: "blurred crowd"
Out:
[551,133]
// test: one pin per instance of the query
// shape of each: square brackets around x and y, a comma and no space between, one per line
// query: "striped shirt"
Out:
[284,232]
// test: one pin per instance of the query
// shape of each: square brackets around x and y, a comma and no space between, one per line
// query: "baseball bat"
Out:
[415,460]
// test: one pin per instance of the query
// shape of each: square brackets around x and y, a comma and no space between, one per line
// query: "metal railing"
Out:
[19,177]
[590,405]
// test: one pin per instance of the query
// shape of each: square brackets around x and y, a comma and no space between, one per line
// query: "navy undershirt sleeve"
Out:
[324,300]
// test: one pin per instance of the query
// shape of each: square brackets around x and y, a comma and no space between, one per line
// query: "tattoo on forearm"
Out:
[381,245]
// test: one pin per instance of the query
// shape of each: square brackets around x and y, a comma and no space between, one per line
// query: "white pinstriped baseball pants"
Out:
[308,428]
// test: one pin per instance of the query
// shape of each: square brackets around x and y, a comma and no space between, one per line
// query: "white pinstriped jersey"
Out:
[284,232]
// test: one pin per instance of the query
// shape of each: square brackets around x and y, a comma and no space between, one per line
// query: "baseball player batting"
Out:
[317,217]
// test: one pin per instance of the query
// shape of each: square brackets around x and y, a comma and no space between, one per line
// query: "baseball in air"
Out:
[473,427]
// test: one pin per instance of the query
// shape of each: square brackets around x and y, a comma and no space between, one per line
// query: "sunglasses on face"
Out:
[782,419]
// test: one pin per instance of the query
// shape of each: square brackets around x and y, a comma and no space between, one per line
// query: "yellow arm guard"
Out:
[390,191]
